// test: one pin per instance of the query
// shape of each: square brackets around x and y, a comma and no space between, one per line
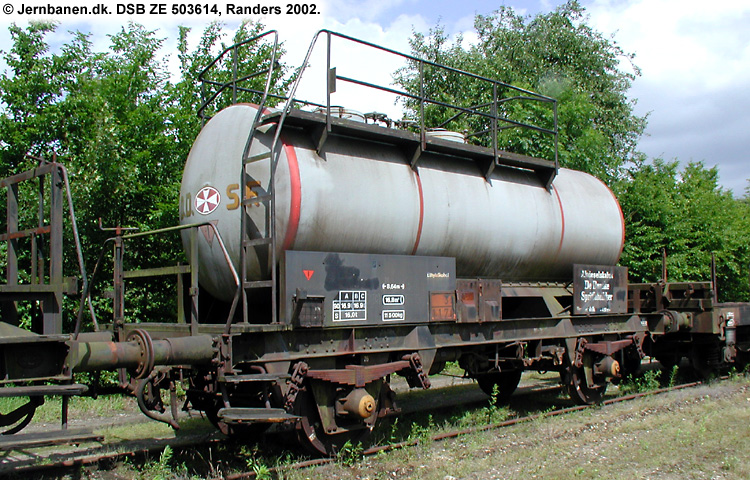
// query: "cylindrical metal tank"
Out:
[360,196]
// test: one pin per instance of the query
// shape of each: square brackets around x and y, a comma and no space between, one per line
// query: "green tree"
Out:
[121,125]
[556,54]
[32,94]
[244,62]
[686,213]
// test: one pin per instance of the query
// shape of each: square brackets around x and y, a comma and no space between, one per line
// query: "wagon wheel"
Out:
[310,432]
[577,381]
[631,362]
[21,416]
[705,361]
[506,382]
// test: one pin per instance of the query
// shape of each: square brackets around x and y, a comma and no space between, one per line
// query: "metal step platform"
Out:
[237,415]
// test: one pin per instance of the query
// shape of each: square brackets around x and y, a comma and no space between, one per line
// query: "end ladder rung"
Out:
[259,284]
[271,117]
[257,241]
[257,199]
[258,157]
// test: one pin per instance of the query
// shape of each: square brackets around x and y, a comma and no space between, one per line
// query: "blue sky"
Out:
[694,57]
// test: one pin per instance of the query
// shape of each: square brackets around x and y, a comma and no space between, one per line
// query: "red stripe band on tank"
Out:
[295,200]
[622,217]
[421,212]
[622,221]
[562,218]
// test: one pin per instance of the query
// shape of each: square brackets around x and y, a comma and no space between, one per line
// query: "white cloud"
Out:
[695,63]
[690,40]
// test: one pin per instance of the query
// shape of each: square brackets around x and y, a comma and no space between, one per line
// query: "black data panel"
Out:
[336,289]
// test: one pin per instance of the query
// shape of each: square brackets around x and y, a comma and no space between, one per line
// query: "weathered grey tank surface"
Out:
[361,196]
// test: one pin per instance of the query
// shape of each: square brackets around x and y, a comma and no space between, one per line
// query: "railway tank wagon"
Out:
[326,255]
[385,251]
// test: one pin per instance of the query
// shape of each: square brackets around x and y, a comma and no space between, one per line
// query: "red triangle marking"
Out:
[208,232]
[308,273]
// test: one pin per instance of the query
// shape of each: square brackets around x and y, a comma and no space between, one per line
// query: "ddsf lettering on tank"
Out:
[208,199]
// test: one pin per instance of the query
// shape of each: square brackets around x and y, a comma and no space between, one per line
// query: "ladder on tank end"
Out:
[261,240]
[264,242]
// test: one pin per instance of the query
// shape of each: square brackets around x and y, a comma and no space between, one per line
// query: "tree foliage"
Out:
[556,54]
[689,216]
[118,120]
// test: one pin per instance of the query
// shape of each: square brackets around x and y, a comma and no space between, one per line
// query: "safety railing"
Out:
[236,83]
[489,112]
[44,279]
[491,87]
[192,269]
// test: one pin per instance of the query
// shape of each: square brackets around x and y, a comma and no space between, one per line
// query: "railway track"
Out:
[40,453]
[379,449]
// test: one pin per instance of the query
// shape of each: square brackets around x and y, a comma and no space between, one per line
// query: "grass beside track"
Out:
[699,433]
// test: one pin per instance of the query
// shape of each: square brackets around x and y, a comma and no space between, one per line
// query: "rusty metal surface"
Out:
[25,233]
[479,300]
[39,171]
[442,306]
[290,346]
[41,439]
[44,390]
[359,375]
[46,286]
[253,415]
[142,353]
[608,348]
[650,297]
